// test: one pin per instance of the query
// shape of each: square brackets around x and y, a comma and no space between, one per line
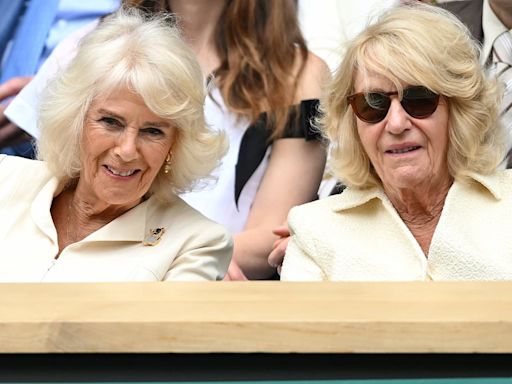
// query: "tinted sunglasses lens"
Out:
[419,102]
[371,107]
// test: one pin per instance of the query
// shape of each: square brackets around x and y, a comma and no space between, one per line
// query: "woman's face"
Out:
[124,146]
[406,152]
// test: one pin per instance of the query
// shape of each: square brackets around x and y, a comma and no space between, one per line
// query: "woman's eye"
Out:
[111,122]
[152,131]
[376,100]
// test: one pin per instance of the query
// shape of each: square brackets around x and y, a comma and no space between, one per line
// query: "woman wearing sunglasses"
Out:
[415,136]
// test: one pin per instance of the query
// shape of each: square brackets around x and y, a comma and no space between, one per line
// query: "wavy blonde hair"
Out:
[146,54]
[417,44]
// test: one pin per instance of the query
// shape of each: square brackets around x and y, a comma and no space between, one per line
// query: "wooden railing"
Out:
[274,317]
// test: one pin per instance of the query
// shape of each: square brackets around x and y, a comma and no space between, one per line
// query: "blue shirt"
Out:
[74,14]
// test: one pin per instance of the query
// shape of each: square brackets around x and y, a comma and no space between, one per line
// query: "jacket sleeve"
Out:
[299,266]
[299,262]
[206,257]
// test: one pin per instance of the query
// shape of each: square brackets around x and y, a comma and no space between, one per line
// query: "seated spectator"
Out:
[264,88]
[122,132]
[490,22]
[416,139]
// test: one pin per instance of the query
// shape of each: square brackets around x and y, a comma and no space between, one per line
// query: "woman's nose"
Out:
[126,146]
[398,120]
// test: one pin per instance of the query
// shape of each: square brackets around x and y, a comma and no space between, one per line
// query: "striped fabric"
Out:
[502,69]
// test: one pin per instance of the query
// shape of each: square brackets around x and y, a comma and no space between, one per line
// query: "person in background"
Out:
[413,120]
[264,89]
[490,22]
[327,26]
[122,133]
[30,31]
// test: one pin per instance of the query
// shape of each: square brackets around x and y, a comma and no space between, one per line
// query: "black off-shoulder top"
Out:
[257,139]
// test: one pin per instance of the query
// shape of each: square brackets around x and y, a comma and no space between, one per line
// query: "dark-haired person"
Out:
[414,125]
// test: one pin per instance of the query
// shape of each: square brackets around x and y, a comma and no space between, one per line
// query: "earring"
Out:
[167,166]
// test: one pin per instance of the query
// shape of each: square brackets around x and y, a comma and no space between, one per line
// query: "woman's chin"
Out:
[119,197]
[408,177]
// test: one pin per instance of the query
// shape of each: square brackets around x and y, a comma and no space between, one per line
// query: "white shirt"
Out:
[23,110]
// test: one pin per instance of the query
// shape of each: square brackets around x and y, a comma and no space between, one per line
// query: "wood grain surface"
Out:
[275,317]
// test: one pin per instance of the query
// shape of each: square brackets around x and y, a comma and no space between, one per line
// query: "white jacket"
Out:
[191,248]
[359,236]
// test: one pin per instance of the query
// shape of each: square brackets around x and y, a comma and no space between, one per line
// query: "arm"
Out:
[298,265]
[275,259]
[9,132]
[23,110]
[206,257]
[293,176]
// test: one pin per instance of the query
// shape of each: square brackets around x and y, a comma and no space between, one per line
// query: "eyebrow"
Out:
[157,124]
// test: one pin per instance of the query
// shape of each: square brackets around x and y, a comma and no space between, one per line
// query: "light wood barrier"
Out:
[257,317]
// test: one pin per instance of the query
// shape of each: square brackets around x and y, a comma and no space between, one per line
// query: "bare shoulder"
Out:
[313,79]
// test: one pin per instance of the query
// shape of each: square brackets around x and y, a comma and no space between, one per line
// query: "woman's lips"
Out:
[120,172]
[405,149]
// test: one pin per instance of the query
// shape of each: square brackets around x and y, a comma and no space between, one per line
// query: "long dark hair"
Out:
[262,55]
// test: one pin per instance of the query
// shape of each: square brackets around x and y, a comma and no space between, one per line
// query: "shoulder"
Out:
[306,217]
[21,178]
[502,185]
[313,78]
[342,213]
[498,183]
[506,180]
[313,227]
[21,168]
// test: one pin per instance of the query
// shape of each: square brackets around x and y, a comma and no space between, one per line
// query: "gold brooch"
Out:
[153,236]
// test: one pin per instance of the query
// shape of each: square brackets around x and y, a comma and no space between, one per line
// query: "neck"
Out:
[420,208]
[87,210]
[76,214]
[421,204]
[503,11]
[198,19]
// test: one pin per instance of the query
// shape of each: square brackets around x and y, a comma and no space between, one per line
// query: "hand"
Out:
[234,273]
[276,257]
[13,86]
[9,132]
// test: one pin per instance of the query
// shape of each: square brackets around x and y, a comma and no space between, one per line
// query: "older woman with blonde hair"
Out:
[413,124]
[264,87]
[122,133]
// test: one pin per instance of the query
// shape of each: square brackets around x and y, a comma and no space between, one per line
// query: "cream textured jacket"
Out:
[191,248]
[359,236]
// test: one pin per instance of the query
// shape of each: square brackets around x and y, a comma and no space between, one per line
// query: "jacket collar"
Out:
[351,197]
[131,226]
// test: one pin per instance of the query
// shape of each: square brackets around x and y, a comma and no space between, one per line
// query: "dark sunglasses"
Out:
[372,107]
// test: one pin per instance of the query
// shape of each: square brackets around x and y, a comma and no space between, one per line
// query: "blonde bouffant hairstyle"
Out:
[417,44]
[146,54]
